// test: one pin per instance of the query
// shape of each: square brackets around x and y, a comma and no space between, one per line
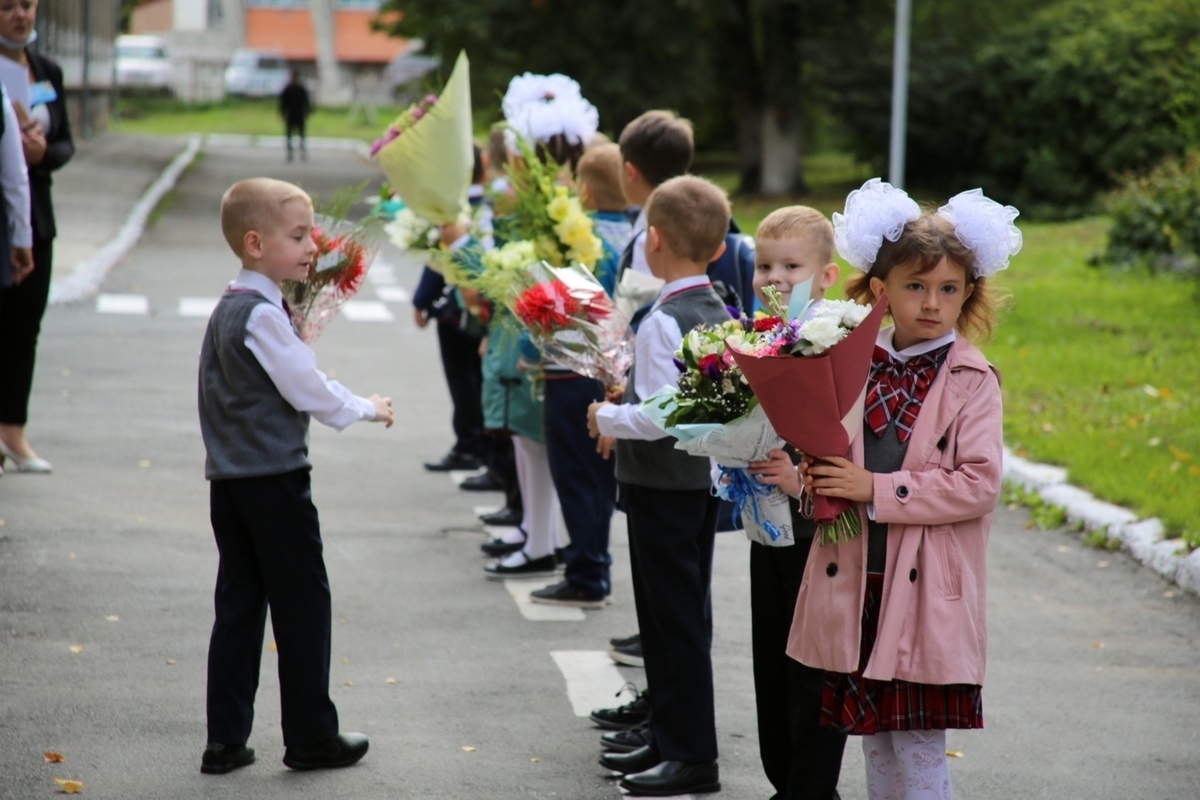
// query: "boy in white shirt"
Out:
[259,385]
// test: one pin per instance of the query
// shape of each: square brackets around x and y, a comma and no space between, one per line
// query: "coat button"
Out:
[912,575]
[831,570]
[902,492]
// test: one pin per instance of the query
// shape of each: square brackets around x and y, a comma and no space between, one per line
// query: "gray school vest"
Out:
[249,430]
[657,464]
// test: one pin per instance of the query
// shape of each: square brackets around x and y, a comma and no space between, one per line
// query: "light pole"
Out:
[899,93]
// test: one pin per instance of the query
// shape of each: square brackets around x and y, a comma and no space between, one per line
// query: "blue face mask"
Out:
[11,45]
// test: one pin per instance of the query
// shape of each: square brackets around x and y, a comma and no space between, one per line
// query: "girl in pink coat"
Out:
[896,616]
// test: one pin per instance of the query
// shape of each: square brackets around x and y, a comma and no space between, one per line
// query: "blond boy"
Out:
[258,386]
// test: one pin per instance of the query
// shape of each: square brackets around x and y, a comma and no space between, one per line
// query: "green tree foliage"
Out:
[1087,89]
[627,56]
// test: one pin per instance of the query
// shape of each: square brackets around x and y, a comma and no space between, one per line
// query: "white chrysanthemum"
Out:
[986,228]
[821,333]
[875,212]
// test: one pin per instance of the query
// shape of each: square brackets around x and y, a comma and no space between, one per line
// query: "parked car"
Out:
[142,63]
[256,73]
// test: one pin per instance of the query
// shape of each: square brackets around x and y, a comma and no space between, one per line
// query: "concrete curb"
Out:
[1141,538]
[279,143]
[90,273]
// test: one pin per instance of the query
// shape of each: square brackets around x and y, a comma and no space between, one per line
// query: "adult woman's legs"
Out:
[21,314]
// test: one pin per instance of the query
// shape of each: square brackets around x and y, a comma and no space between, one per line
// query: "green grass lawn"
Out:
[1101,372]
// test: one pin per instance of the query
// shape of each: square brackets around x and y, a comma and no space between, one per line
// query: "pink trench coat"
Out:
[932,626]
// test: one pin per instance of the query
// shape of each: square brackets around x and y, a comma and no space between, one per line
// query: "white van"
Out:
[256,73]
[142,63]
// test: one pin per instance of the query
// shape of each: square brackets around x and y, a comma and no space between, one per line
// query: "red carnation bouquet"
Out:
[574,323]
[345,251]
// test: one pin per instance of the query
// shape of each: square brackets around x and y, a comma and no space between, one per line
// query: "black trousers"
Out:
[464,379]
[269,539]
[671,536]
[802,759]
[294,127]
[585,483]
[21,311]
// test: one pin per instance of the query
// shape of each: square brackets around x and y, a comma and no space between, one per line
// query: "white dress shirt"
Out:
[638,243]
[291,364]
[884,340]
[14,180]
[658,339]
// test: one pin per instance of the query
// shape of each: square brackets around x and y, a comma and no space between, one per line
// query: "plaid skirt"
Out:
[856,705]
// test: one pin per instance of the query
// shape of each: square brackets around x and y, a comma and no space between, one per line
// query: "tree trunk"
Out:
[749,141]
[780,159]
[330,87]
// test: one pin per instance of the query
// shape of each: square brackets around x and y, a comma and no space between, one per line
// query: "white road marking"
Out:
[197,306]
[382,274]
[592,679]
[366,311]
[122,304]
[519,589]
[393,294]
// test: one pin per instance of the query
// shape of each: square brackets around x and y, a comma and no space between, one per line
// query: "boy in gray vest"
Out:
[672,515]
[259,384]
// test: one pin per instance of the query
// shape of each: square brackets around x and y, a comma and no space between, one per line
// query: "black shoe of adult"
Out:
[505,517]
[453,460]
[621,718]
[340,751]
[626,741]
[498,548]
[487,482]
[639,760]
[674,778]
[221,758]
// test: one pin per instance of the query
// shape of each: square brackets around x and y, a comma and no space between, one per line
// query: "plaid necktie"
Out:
[898,389]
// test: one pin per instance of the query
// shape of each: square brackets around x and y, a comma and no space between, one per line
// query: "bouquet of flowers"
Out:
[410,232]
[546,213]
[713,412]
[427,153]
[345,250]
[823,371]
[574,323]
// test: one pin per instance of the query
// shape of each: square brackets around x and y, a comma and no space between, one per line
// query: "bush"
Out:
[1156,218]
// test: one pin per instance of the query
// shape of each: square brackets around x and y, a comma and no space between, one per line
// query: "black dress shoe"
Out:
[498,548]
[505,517]
[626,741]
[221,758]
[340,751]
[487,482]
[672,778]
[453,460]
[639,760]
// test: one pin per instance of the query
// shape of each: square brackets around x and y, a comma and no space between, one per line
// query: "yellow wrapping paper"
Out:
[429,165]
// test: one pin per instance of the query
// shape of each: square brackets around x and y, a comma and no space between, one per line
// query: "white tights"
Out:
[907,765]
[537,496]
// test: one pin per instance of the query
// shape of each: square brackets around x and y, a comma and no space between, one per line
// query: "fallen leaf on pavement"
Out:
[113,618]
[1062,548]
[53,757]
[347,683]
[144,463]
[170,662]
[1102,564]
[76,648]
[69,787]
[390,680]
[272,647]
[1098,645]
[535,760]
[954,753]
[468,749]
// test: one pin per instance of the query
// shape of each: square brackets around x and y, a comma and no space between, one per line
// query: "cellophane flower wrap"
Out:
[812,389]
[713,412]
[345,250]
[427,154]
[574,323]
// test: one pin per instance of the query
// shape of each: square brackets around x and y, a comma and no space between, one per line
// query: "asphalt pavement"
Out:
[107,566]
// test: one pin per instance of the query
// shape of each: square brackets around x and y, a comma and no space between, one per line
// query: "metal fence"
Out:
[80,35]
